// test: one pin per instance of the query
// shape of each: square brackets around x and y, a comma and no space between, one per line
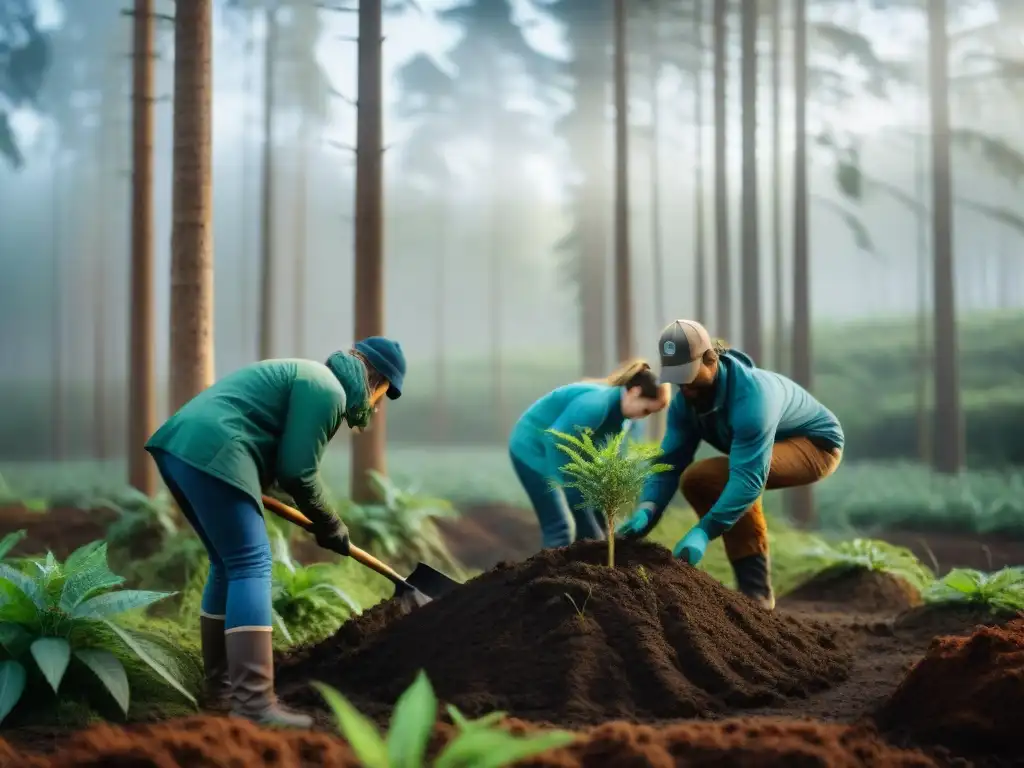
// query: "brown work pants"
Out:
[795,462]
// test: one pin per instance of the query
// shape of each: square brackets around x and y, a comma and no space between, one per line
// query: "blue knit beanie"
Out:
[387,358]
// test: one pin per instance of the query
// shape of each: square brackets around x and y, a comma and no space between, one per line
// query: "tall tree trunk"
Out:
[779,323]
[624,337]
[657,420]
[590,73]
[924,364]
[948,434]
[301,255]
[700,267]
[801,499]
[440,304]
[267,228]
[141,366]
[500,210]
[723,258]
[99,317]
[192,208]
[60,437]
[368,448]
[750,280]
[246,297]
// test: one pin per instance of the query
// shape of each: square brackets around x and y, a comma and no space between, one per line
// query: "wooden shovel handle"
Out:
[362,557]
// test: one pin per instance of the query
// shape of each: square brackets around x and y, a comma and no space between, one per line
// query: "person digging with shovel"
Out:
[630,393]
[774,435]
[269,421]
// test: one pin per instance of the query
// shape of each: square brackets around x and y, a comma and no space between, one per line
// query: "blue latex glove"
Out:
[638,526]
[692,546]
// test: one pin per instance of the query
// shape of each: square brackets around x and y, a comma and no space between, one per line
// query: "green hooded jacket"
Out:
[269,421]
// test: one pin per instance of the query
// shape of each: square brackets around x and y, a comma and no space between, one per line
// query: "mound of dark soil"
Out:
[562,638]
[967,693]
[857,590]
[209,742]
[928,621]
[60,530]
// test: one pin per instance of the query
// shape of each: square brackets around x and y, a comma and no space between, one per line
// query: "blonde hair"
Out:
[626,372]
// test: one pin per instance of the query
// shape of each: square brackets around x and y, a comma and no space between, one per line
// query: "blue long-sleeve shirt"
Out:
[752,410]
[568,409]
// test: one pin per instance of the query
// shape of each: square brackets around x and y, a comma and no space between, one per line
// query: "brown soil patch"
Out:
[928,621]
[857,590]
[655,639]
[967,693]
[61,530]
[210,742]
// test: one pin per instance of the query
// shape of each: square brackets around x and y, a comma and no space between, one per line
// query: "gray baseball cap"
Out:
[681,347]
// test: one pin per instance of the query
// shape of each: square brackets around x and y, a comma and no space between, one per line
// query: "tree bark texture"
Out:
[624,336]
[192,205]
[368,448]
[723,256]
[750,282]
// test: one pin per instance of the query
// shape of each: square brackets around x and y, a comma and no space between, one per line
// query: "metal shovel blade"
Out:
[430,581]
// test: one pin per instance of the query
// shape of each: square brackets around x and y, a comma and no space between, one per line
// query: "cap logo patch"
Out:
[669,348]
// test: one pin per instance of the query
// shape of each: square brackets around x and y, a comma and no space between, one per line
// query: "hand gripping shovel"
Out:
[423,584]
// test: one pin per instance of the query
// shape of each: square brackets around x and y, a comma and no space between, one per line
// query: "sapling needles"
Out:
[609,477]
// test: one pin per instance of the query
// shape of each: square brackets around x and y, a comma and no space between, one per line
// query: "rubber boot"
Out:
[753,579]
[251,671]
[215,663]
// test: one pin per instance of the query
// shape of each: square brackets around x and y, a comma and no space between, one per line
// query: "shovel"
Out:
[423,584]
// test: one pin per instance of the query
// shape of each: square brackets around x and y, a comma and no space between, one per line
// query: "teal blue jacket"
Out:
[568,409]
[753,409]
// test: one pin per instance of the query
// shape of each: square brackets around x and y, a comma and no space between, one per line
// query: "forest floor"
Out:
[662,665]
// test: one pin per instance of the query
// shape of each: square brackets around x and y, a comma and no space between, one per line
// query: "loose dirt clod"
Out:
[967,693]
[649,639]
[209,742]
[857,590]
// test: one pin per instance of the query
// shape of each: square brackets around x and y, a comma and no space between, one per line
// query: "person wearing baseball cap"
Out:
[773,433]
[605,406]
[267,422]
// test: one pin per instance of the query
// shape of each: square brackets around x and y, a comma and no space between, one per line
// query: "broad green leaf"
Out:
[139,649]
[15,638]
[110,671]
[84,582]
[52,655]
[964,580]
[114,603]
[86,556]
[10,541]
[360,733]
[12,684]
[25,584]
[411,724]
[495,748]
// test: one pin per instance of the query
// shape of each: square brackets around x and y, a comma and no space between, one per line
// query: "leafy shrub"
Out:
[479,743]
[145,520]
[869,555]
[57,612]
[1000,592]
[904,496]
[606,477]
[308,604]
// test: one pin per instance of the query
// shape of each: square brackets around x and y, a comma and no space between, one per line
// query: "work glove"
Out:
[639,525]
[332,535]
[692,546]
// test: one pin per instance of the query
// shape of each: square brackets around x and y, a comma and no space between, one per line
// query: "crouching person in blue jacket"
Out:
[774,435]
[604,406]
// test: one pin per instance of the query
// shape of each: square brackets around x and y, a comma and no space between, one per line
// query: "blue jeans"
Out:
[557,510]
[231,527]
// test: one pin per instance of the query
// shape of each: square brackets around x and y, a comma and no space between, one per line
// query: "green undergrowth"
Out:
[826,558]
[1000,592]
[478,743]
[72,641]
